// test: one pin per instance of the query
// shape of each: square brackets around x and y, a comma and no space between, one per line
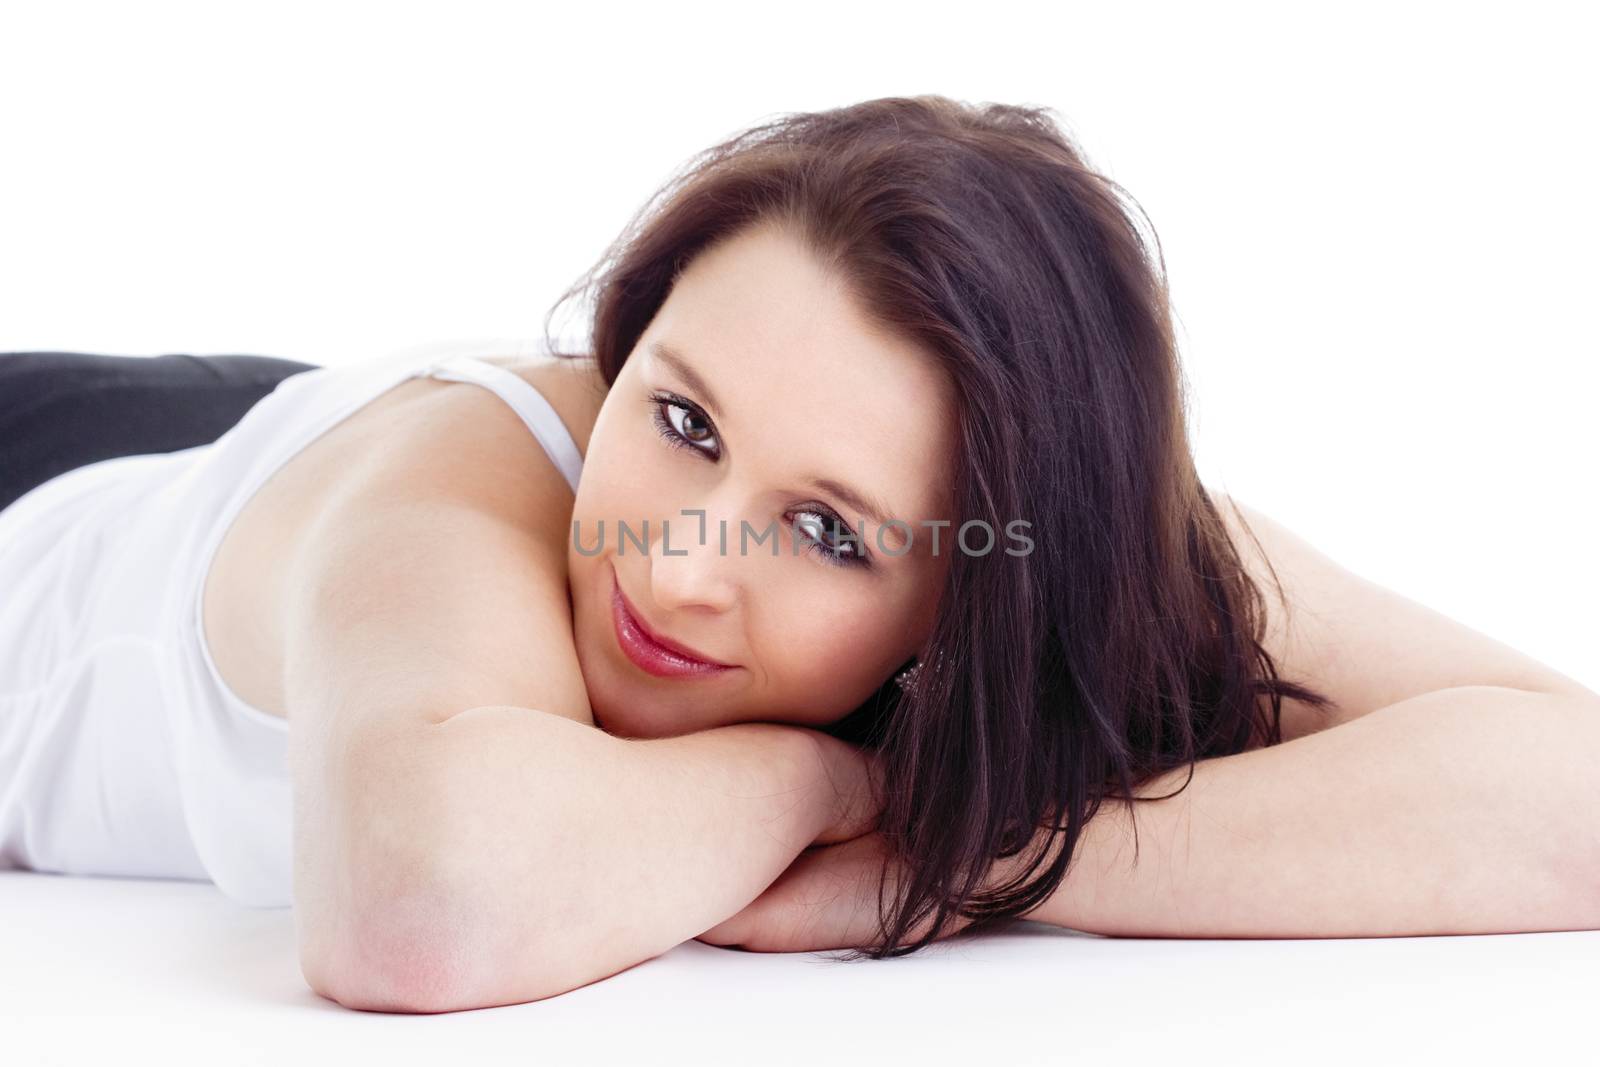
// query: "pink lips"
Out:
[650,653]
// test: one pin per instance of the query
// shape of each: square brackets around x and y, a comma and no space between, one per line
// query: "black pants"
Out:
[62,410]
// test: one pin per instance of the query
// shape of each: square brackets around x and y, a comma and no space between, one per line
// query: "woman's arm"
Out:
[1463,811]
[1363,645]
[552,854]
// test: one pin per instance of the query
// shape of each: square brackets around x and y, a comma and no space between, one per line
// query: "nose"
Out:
[686,573]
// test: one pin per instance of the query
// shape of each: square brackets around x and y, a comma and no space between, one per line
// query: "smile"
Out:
[652,654]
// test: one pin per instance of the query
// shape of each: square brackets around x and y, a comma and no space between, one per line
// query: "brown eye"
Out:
[692,425]
[681,424]
[826,535]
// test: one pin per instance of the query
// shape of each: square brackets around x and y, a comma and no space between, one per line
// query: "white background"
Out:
[1379,221]
[1380,227]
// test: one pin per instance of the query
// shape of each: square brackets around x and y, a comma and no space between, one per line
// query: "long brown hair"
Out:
[1128,641]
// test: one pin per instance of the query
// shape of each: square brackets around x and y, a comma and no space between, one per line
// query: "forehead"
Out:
[808,383]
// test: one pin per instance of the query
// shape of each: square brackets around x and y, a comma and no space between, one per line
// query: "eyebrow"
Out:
[869,506]
[680,366]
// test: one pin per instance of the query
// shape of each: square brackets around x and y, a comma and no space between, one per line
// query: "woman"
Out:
[887,539]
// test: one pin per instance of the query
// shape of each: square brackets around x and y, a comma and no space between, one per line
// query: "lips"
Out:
[651,652]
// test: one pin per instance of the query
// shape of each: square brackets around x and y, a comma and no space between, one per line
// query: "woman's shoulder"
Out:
[1363,645]
[424,443]
[572,383]
[454,443]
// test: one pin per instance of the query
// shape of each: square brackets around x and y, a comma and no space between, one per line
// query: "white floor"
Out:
[97,970]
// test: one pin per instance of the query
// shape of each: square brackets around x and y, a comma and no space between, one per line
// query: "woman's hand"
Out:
[827,899]
[819,898]
[853,790]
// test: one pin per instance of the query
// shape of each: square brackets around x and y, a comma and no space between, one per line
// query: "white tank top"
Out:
[122,751]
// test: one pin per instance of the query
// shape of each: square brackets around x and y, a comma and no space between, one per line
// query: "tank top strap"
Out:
[530,405]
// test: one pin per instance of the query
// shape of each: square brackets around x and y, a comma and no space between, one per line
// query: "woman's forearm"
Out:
[1470,810]
[529,854]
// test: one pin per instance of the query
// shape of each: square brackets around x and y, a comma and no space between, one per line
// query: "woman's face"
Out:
[758,383]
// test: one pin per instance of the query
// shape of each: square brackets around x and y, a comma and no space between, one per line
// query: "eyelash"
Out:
[674,439]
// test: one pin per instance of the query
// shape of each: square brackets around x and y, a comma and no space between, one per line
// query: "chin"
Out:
[619,723]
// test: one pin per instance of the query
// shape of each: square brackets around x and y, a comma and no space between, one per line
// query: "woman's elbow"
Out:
[420,933]
[408,899]
[404,952]
[380,925]
[397,966]
[383,915]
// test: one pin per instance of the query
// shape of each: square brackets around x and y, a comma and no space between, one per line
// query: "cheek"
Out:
[630,475]
[833,642]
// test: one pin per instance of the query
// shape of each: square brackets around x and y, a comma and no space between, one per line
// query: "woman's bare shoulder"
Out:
[436,582]
[1363,645]
[572,383]
[424,453]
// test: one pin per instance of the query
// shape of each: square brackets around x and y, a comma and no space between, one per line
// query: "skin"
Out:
[805,385]
[1440,814]
[787,353]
